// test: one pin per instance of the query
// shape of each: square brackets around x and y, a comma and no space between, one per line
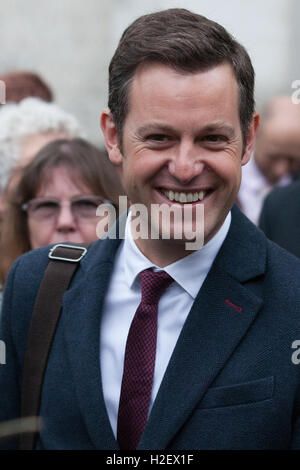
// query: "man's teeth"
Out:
[185,197]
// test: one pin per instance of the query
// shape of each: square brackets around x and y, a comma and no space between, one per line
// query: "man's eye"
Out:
[215,138]
[158,137]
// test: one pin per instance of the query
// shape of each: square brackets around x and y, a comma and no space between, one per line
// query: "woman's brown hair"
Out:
[86,163]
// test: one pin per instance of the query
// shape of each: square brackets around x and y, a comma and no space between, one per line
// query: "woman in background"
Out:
[56,198]
[25,128]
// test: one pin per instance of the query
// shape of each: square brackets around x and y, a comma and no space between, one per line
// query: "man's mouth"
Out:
[186,197]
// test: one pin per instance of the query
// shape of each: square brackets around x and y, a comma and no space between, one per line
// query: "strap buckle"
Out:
[71,260]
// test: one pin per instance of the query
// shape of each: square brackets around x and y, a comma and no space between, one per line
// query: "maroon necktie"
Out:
[140,360]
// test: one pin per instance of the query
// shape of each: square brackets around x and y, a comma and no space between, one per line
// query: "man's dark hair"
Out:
[185,41]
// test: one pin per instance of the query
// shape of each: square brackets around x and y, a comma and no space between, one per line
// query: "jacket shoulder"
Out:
[283,268]
[24,280]
[28,270]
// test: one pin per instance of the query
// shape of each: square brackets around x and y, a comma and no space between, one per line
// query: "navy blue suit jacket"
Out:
[231,382]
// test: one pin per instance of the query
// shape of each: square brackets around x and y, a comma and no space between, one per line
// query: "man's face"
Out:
[277,150]
[182,135]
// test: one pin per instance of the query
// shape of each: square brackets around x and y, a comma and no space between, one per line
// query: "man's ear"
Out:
[250,141]
[111,137]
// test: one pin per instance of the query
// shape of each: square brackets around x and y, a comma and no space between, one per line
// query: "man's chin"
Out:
[181,236]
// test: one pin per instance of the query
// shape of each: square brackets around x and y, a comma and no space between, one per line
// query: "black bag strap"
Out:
[65,260]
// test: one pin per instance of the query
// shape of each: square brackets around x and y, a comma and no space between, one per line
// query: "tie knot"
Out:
[153,285]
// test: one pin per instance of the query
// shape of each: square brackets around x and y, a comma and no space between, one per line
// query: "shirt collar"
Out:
[188,272]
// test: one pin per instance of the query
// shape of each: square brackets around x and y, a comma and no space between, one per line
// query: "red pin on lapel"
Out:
[236,307]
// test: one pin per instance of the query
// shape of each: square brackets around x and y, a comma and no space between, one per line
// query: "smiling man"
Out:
[158,346]
[182,144]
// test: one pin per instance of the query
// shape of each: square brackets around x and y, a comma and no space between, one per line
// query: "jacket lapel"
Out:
[219,319]
[82,309]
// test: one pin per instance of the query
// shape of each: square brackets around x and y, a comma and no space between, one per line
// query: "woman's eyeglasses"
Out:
[84,207]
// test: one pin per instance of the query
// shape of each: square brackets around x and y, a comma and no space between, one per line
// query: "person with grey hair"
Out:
[26,127]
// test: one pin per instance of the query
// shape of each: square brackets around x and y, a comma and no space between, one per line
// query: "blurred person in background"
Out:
[280,217]
[56,199]
[22,84]
[276,158]
[26,127]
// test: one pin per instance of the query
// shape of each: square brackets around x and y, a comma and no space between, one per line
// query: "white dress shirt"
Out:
[254,189]
[123,297]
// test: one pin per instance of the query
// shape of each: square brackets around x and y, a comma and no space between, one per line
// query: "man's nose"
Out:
[186,163]
[65,220]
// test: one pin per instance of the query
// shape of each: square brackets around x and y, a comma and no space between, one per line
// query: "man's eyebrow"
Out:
[154,127]
[218,127]
[157,127]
